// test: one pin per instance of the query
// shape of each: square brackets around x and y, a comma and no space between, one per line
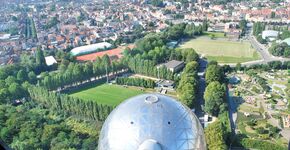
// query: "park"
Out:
[215,47]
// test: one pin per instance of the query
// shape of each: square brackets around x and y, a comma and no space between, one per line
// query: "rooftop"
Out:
[173,63]
[50,60]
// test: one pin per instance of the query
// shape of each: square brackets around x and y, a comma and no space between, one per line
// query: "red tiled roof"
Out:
[91,57]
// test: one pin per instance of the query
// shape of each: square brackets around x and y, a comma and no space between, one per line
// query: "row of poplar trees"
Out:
[147,83]
[188,84]
[76,73]
[69,105]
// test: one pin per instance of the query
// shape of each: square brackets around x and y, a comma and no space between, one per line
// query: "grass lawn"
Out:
[222,50]
[246,108]
[107,94]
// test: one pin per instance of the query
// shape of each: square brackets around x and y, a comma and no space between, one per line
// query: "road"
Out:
[263,51]
[200,102]
[266,56]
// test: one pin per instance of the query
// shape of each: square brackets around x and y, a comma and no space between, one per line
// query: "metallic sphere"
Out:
[151,122]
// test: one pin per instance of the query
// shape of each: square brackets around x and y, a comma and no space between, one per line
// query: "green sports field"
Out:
[223,50]
[107,94]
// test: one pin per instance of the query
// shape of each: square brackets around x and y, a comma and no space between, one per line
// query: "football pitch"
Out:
[107,94]
[222,50]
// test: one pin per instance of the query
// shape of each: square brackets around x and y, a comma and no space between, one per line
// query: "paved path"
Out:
[232,112]
[201,88]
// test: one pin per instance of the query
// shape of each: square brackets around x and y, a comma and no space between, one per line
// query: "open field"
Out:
[107,94]
[222,50]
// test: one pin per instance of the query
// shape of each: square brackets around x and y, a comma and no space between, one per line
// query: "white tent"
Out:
[90,48]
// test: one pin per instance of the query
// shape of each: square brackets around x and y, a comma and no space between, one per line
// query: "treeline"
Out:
[30,30]
[188,85]
[215,135]
[148,68]
[145,63]
[215,92]
[70,73]
[266,67]
[27,31]
[69,105]
[31,127]
[216,105]
[147,83]
[174,32]
[258,28]
[243,26]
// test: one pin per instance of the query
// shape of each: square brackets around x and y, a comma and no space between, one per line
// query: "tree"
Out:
[215,136]
[258,28]
[4,95]
[275,64]
[22,75]
[32,77]
[16,90]
[212,36]
[204,25]
[187,87]
[52,8]
[214,73]
[192,56]
[14,18]
[273,14]
[3,74]
[214,97]
[285,34]
[191,67]
[2,84]
[187,95]
[261,130]
[10,80]
[13,30]
[157,3]
[238,67]
[243,26]
[260,39]
[40,60]
[280,49]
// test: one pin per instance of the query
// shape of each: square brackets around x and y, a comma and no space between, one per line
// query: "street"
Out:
[266,56]
[200,101]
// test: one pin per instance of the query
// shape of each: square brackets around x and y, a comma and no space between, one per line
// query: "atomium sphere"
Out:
[152,122]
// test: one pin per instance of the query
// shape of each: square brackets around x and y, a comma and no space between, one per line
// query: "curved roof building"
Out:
[151,122]
[90,48]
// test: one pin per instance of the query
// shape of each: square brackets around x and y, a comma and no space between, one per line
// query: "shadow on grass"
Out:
[84,86]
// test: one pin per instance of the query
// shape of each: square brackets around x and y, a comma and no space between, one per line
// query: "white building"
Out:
[270,34]
[90,48]
[50,60]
